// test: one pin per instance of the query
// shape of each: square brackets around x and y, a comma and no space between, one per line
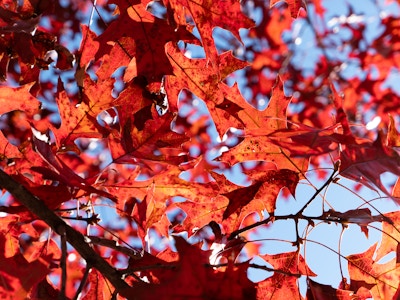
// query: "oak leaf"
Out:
[198,76]
[8,239]
[393,137]
[150,35]
[8,151]
[163,185]
[390,240]
[19,276]
[318,291]
[366,161]
[59,171]
[284,282]
[18,99]
[256,146]
[76,122]
[384,277]
[148,213]
[362,160]
[201,214]
[147,136]
[207,15]
[306,141]
[99,287]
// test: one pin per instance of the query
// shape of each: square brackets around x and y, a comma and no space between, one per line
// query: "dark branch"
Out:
[75,238]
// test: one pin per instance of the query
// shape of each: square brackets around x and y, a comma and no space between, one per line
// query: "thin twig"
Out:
[317,192]
[82,283]
[255,266]
[75,238]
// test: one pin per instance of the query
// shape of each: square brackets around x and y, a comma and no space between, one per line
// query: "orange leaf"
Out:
[99,288]
[385,277]
[164,185]
[201,214]
[260,148]
[391,238]
[18,99]
[76,121]
[393,138]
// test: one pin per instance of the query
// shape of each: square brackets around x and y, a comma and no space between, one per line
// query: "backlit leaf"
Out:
[260,148]
[208,14]
[198,76]
[284,282]
[384,277]
[294,5]
[150,35]
[18,99]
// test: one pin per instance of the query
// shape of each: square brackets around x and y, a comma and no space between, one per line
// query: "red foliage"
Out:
[154,105]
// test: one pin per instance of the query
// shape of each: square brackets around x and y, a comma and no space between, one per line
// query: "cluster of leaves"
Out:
[141,126]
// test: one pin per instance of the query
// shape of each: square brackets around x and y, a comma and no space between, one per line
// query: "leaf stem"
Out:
[317,192]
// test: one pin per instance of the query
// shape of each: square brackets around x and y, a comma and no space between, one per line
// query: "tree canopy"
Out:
[157,149]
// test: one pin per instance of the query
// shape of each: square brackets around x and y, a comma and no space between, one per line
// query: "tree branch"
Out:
[75,238]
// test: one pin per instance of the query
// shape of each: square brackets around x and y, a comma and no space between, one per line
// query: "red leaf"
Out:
[88,47]
[362,160]
[365,162]
[44,290]
[306,141]
[150,35]
[59,171]
[210,14]
[8,150]
[294,6]
[201,214]
[9,243]
[389,242]
[283,284]
[76,121]
[19,276]
[193,278]
[162,186]
[198,76]
[156,141]
[260,148]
